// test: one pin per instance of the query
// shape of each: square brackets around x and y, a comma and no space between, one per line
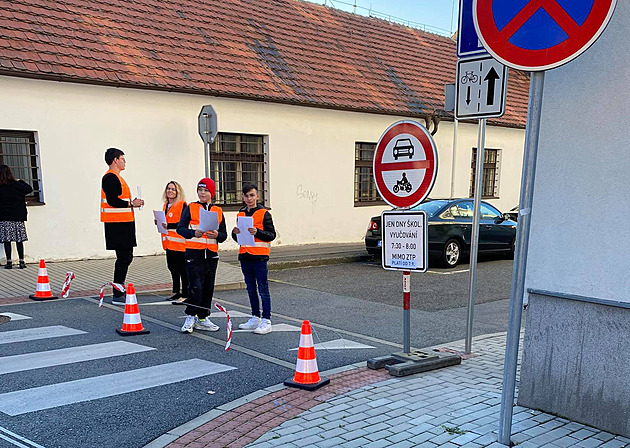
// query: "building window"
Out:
[19,151]
[490,183]
[365,192]
[236,159]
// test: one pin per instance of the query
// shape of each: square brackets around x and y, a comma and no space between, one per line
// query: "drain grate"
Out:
[4,319]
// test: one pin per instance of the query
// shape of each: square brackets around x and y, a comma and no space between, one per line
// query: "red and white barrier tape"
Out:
[116,286]
[65,289]
[229,326]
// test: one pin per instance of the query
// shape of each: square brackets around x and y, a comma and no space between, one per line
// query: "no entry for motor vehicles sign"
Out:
[536,35]
[405,164]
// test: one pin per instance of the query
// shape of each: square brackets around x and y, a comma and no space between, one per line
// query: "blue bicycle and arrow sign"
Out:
[536,35]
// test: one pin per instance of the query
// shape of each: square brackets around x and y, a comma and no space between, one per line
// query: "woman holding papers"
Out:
[203,226]
[254,233]
[173,243]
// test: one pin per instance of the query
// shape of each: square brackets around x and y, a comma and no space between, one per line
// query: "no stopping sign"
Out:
[405,164]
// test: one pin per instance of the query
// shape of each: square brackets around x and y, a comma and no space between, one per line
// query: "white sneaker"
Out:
[264,327]
[205,324]
[251,324]
[189,324]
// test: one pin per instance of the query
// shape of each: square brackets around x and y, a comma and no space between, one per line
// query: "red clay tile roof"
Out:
[271,50]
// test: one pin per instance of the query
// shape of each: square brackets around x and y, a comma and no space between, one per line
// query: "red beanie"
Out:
[207,183]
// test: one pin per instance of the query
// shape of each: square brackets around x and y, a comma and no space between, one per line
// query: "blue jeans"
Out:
[255,272]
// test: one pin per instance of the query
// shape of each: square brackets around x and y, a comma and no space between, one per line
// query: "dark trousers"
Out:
[176,263]
[124,257]
[201,275]
[20,250]
[255,273]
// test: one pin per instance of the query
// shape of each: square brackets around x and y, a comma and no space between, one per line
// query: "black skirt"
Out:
[120,235]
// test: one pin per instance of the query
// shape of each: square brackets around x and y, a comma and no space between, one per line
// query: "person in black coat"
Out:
[13,214]
[118,218]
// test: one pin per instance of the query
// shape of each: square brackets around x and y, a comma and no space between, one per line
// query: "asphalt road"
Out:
[346,304]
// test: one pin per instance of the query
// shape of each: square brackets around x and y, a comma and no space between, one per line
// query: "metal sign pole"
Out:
[537,82]
[206,146]
[406,311]
[474,243]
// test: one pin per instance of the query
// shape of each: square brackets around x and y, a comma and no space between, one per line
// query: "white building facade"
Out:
[309,163]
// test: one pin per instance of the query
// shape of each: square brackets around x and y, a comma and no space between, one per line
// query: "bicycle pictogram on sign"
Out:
[539,34]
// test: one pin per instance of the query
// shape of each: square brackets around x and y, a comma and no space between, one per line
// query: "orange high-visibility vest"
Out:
[260,247]
[114,214]
[203,242]
[173,240]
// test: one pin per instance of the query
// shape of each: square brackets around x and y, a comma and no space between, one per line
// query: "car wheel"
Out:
[510,254]
[451,254]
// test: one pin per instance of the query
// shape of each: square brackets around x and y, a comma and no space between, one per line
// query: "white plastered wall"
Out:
[311,160]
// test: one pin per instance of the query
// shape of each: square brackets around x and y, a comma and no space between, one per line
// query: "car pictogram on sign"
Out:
[403,147]
[405,183]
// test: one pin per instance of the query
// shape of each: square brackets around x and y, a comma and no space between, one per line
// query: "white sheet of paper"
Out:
[244,238]
[208,220]
[160,217]
[139,190]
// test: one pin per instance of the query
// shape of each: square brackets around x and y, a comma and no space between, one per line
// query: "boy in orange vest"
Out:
[254,259]
[202,257]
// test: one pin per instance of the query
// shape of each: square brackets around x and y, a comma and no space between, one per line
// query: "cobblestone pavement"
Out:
[146,273]
[455,407]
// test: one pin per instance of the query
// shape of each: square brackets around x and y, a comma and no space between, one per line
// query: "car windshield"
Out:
[431,207]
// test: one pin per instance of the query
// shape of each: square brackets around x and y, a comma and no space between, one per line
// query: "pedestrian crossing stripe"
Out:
[17,440]
[275,327]
[14,316]
[78,391]
[339,344]
[217,314]
[31,361]
[32,334]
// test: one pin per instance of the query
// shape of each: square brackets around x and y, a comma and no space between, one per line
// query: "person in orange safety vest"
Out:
[173,243]
[118,218]
[202,257]
[254,259]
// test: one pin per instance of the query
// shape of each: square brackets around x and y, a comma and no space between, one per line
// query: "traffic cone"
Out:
[43,285]
[306,373]
[132,324]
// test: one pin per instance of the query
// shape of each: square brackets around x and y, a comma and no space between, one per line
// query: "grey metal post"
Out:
[206,145]
[536,84]
[454,162]
[474,244]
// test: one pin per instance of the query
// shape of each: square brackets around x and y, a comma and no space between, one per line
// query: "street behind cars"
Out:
[450,228]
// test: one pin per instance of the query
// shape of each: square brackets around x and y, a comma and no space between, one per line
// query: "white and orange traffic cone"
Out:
[43,285]
[132,324]
[306,373]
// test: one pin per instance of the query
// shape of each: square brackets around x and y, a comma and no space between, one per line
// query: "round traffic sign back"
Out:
[535,35]
[405,164]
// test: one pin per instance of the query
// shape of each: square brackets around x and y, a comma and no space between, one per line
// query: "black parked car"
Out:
[450,226]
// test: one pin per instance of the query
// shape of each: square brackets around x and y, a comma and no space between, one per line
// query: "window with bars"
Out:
[490,181]
[365,192]
[18,150]
[236,159]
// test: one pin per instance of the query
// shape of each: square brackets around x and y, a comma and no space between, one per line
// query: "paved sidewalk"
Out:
[455,407]
[149,273]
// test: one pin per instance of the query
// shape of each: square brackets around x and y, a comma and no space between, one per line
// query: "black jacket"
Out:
[183,230]
[12,203]
[118,235]
[268,233]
